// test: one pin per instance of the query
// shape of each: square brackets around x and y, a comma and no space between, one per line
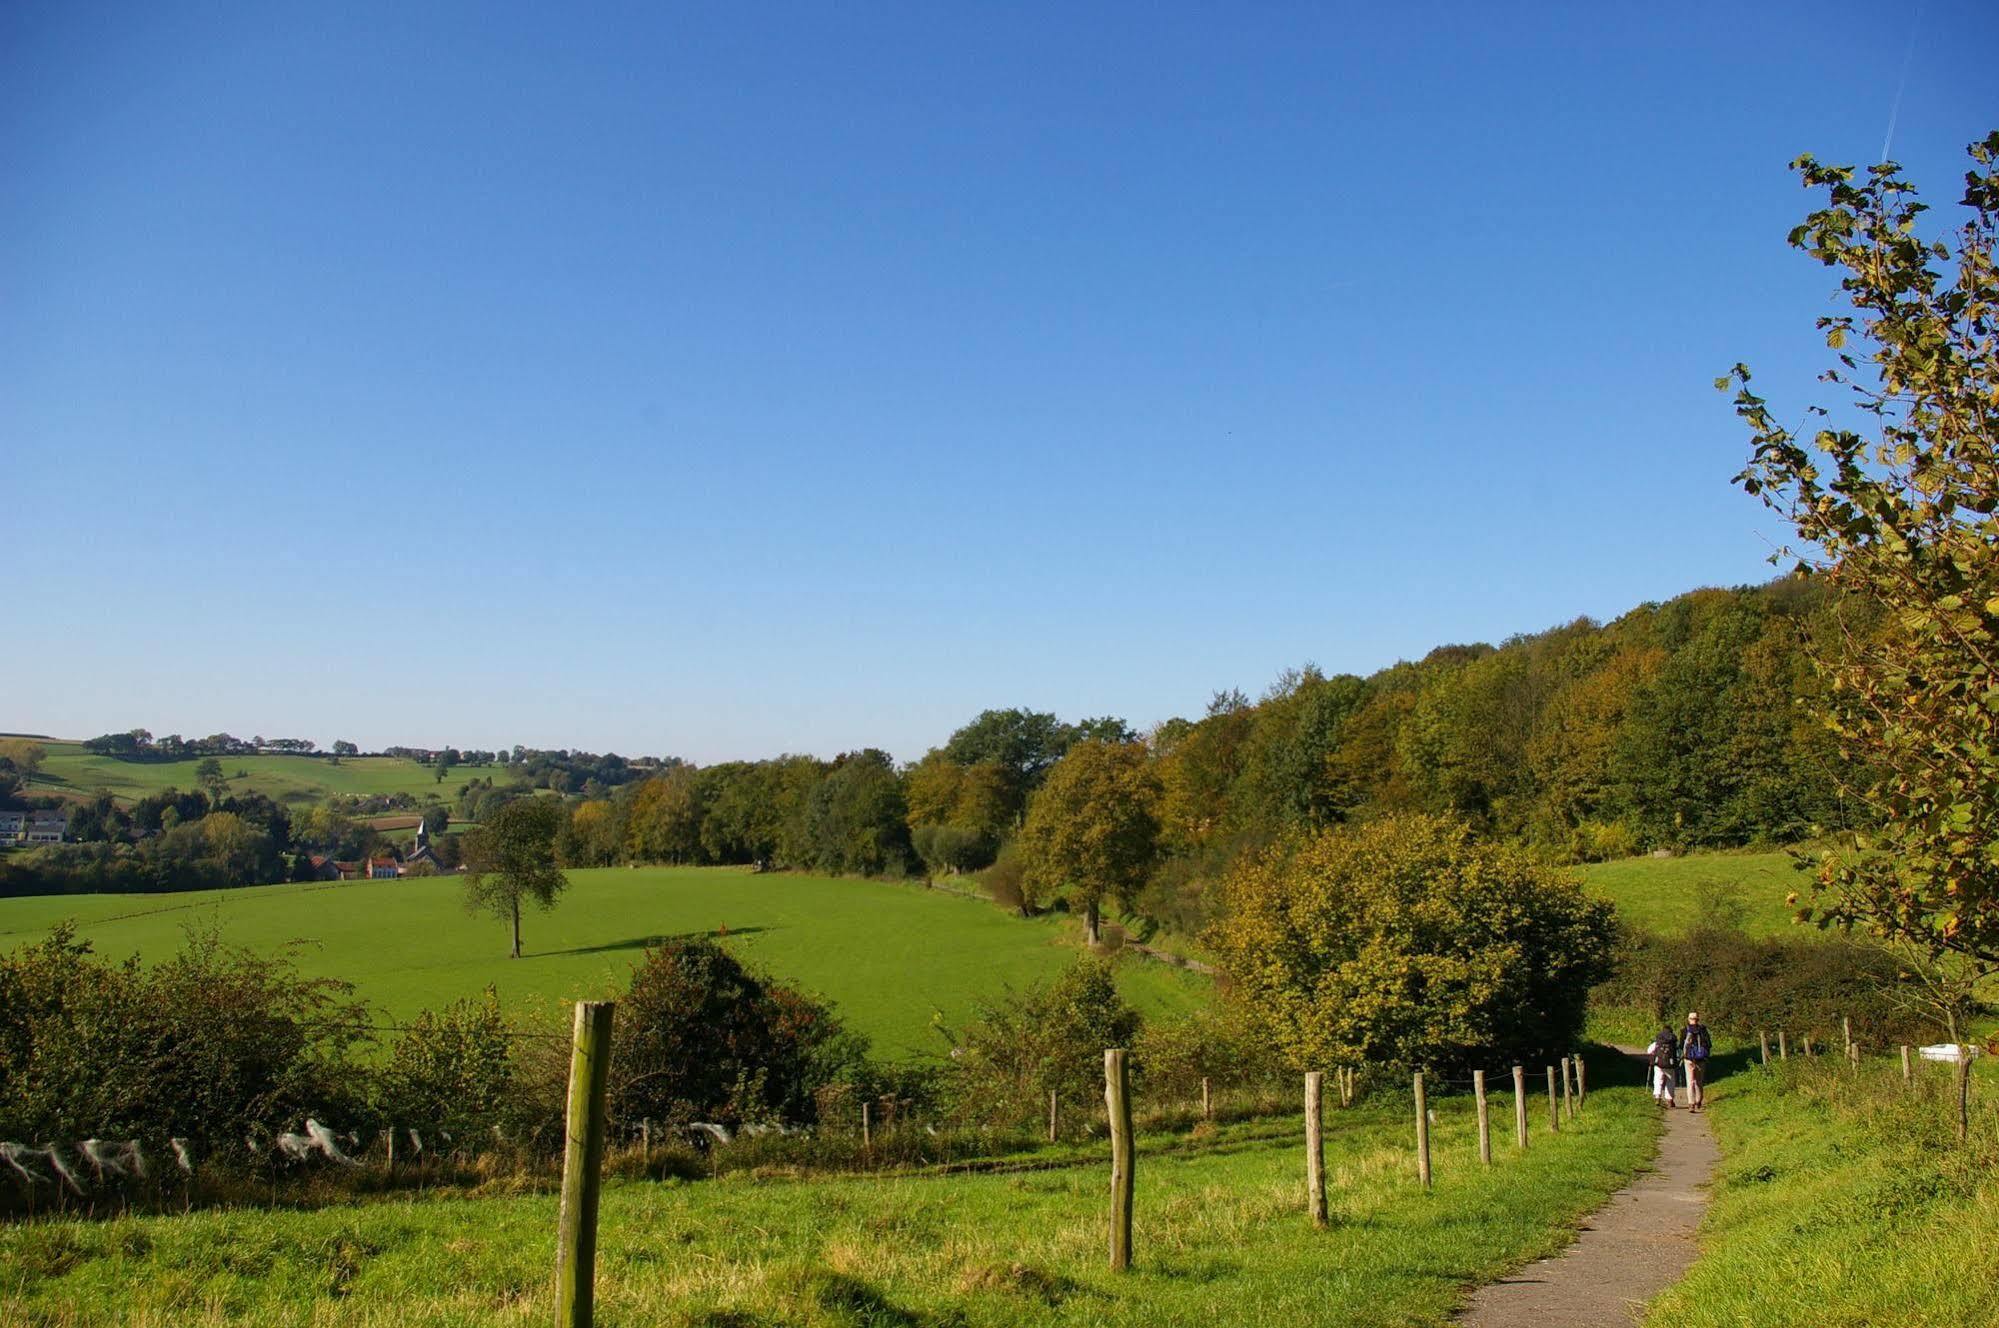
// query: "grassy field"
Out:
[70,769]
[1221,1239]
[1663,893]
[892,957]
[1844,1200]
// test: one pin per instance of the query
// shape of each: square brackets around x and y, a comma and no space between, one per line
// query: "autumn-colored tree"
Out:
[1894,502]
[1571,752]
[24,754]
[664,824]
[1407,940]
[1093,829]
[510,860]
[957,813]
[593,836]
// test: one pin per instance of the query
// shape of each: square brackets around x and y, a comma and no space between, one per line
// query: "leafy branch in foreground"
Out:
[1898,510]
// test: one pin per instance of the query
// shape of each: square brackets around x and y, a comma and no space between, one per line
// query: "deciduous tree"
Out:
[1406,940]
[1894,501]
[1093,829]
[510,860]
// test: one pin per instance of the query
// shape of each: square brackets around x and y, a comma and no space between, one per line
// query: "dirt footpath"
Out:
[1630,1250]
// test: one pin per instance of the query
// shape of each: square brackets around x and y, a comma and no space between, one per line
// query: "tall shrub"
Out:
[1408,940]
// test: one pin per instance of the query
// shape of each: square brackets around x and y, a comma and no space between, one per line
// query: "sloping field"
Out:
[1663,894]
[892,957]
[70,769]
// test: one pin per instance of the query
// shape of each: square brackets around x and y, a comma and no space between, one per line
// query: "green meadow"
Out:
[1664,894]
[893,957]
[296,779]
[1221,1238]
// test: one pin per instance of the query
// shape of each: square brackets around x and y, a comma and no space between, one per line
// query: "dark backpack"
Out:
[1667,1053]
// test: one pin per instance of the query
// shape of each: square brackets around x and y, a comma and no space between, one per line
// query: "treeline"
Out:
[1678,725]
[589,774]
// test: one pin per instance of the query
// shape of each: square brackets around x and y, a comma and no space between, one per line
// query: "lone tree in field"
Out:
[209,772]
[511,859]
[1898,510]
[1406,940]
[1093,828]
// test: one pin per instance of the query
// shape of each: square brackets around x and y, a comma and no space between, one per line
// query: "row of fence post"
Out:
[584,1134]
[1961,1061]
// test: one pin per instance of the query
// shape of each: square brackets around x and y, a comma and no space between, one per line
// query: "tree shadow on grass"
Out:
[647,942]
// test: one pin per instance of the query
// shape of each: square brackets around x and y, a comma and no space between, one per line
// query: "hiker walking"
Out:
[1664,1057]
[1694,1049]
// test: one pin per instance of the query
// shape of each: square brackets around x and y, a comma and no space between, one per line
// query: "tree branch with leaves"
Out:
[1893,498]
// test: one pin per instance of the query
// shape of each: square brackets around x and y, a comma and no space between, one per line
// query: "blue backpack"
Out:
[1696,1043]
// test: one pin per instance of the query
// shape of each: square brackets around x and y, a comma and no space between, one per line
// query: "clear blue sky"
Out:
[732,380]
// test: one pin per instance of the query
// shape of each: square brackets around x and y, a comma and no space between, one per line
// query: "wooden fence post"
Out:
[1422,1132]
[1568,1097]
[1846,1032]
[1963,1095]
[1908,1072]
[1582,1086]
[1315,1148]
[1053,1119]
[867,1125]
[1764,1038]
[1520,1106]
[1783,1051]
[392,1150]
[1853,1056]
[1207,1100]
[582,1166]
[1554,1107]
[1117,1101]
[1808,1046]
[1484,1118]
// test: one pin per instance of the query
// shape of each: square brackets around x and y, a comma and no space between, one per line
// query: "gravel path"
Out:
[1630,1250]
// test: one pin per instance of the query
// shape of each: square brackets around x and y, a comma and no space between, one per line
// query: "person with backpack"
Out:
[1664,1058]
[1695,1047]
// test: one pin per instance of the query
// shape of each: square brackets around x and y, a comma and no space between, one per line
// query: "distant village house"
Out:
[39,827]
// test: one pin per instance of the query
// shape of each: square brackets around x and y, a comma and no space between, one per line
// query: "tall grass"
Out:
[1844,1198]
[1223,1238]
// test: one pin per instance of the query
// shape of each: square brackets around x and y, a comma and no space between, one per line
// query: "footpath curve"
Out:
[1635,1246]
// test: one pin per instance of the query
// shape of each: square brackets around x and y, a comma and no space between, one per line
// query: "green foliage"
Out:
[1742,984]
[204,1045]
[510,860]
[701,1037]
[22,756]
[856,819]
[1049,1038]
[1022,744]
[1221,1044]
[958,813]
[1092,831]
[663,823]
[1900,514]
[451,1070]
[1406,940]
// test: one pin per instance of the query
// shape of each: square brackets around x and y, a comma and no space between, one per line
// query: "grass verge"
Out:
[1844,1199]
[1222,1239]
